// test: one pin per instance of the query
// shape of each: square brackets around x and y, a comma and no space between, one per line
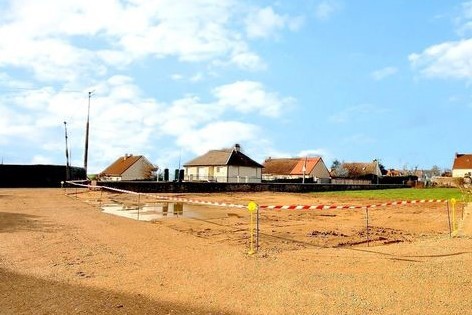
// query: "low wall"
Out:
[192,187]
[446,181]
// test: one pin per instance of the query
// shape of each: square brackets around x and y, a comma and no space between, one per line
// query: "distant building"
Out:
[129,167]
[462,165]
[226,165]
[295,168]
[364,171]
[361,169]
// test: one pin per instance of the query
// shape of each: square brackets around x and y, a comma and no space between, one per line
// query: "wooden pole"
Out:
[367,225]
[449,218]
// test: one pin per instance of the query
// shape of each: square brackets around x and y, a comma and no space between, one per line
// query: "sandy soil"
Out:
[61,254]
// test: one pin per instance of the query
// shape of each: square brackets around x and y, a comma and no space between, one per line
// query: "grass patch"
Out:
[397,194]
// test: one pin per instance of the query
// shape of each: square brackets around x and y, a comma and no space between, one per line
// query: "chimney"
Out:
[237,147]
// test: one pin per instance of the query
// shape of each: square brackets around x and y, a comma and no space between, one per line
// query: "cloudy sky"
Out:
[347,80]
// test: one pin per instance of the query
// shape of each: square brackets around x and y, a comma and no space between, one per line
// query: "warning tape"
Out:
[268,207]
[169,198]
[328,207]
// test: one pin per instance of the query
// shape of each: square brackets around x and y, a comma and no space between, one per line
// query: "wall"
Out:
[446,181]
[202,173]
[37,175]
[320,171]
[460,172]
[205,187]
[244,174]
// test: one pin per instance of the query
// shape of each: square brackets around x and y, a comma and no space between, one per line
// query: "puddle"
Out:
[150,212]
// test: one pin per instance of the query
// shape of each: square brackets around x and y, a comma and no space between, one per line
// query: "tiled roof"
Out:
[462,161]
[290,166]
[361,168]
[223,157]
[121,165]
[309,164]
[279,166]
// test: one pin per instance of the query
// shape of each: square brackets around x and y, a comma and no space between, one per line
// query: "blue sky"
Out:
[347,80]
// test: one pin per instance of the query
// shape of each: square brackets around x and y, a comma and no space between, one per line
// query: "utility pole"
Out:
[87,133]
[67,153]
[304,170]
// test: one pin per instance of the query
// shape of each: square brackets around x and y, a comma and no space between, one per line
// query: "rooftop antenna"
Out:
[87,132]
[67,152]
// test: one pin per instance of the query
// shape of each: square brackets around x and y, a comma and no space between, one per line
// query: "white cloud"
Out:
[384,73]
[312,152]
[198,126]
[264,22]
[326,9]
[40,159]
[250,96]
[84,43]
[446,60]
[191,31]
[217,135]
[451,59]
[248,61]
[122,120]
[197,77]
[463,20]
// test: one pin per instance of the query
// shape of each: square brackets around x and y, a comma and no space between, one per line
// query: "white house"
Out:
[226,165]
[462,165]
[129,167]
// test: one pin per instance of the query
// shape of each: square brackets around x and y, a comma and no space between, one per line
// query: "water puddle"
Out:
[150,212]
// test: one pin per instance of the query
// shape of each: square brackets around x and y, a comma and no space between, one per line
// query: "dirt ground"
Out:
[60,254]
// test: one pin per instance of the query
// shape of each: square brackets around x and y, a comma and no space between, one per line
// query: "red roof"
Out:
[462,161]
[120,166]
[290,166]
[309,164]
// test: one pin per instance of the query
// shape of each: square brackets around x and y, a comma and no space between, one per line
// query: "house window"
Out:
[218,169]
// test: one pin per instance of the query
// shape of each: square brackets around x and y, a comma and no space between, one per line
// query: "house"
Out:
[369,171]
[462,166]
[129,167]
[226,165]
[295,168]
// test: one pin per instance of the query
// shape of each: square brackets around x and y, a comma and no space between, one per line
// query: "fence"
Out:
[208,187]
[221,179]
[289,227]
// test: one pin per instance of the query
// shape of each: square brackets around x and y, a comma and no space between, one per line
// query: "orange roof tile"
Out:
[462,161]
[121,165]
[281,166]
[309,164]
[290,166]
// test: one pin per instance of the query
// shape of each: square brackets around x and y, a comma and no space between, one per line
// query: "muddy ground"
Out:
[59,253]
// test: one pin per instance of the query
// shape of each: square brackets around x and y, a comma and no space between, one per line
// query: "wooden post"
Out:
[367,225]
[448,218]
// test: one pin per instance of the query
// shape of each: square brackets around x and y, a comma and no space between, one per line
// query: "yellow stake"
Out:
[252,207]
[453,203]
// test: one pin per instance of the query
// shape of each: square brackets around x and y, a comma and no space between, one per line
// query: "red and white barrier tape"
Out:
[268,207]
[328,207]
[170,198]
